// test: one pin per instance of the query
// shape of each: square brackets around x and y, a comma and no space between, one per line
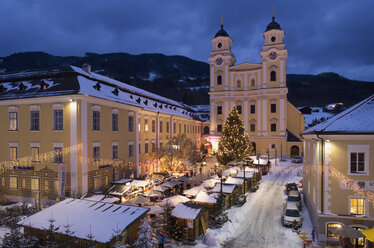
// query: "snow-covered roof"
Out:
[68,80]
[119,189]
[193,191]
[102,198]
[186,211]
[83,216]
[226,188]
[174,200]
[358,119]
[232,180]
[204,197]
[124,181]
[139,183]
[248,174]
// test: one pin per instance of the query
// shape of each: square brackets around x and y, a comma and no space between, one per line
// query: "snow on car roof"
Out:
[85,216]
[357,119]
[186,211]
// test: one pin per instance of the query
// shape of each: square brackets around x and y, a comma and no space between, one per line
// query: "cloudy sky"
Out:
[333,35]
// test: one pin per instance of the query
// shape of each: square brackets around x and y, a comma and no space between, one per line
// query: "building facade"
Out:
[258,92]
[69,131]
[338,172]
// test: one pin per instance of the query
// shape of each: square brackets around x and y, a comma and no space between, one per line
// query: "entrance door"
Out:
[294,151]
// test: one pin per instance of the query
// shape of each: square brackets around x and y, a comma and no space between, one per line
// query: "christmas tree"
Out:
[146,237]
[233,144]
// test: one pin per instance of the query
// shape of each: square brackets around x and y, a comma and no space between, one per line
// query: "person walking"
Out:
[161,239]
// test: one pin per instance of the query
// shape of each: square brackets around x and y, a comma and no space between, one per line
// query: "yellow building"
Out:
[259,93]
[69,131]
[338,171]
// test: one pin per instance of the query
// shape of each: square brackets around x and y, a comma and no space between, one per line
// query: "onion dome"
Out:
[273,25]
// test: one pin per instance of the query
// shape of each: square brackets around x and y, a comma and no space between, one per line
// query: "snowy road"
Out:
[263,227]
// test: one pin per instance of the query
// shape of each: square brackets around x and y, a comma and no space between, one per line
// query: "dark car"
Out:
[297,160]
[290,186]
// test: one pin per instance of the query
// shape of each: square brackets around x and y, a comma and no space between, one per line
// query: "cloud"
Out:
[320,35]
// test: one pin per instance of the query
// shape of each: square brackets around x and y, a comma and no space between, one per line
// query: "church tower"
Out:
[220,60]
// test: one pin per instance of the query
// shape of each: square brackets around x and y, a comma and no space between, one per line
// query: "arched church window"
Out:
[253,83]
[238,84]
[273,76]
[219,80]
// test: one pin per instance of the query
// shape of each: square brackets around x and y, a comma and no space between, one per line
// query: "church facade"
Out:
[258,92]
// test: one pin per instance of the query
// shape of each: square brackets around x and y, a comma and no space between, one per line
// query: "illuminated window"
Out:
[330,227]
[13,121]
[357,206]
[357,162]
[97,182]
[145,125]
[12,153]
[35,154]
[58,119]
[13,182]
[35,184]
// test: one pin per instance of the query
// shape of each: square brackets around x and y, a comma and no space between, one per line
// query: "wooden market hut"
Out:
[86,217]
[207,200]
[230,190]
[193,218]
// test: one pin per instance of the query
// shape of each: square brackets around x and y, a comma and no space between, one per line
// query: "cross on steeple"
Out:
[222,19]
[273,10]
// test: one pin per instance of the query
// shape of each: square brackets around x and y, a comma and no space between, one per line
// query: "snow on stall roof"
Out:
[83,216]
[186,211]
[124,180]
[139,183]
[102,198]
[248,174]
[174,200]
[209,183]
[357,119]
[204,197]
[226,188]
[237,181]
[194,191]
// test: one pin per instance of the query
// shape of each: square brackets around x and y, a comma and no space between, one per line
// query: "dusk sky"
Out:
[320,35]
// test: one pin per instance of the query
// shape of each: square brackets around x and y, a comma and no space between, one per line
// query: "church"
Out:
[258,92]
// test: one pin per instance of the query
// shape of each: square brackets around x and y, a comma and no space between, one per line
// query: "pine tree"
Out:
[146,237]
[219,214]
[117,238]
[51,233]
[67,241]
[233,144]
[16,239]
[171,227]
[91,241]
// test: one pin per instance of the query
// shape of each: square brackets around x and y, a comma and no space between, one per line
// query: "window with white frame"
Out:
[96,152]
[35,153]
[114,151]
[131,149]
[34,120]
[358,159]
[13,121]
[96,120]
[357,206]
[58,119]
[114,121]
[57,155]
[131,123]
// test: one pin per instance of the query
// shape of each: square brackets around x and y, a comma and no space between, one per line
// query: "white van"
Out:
[291,214]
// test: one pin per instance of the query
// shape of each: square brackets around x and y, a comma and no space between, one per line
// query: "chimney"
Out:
[86,67]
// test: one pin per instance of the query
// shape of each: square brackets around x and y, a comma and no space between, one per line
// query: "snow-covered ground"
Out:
[258,222]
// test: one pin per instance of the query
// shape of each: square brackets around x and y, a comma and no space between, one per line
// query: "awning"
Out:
[369,233]
[349,232]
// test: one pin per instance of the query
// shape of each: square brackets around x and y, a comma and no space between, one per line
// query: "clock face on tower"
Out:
[219,61]
[273,55]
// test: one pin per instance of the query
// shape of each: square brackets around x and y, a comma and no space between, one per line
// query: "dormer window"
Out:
[44,85]
[97,86]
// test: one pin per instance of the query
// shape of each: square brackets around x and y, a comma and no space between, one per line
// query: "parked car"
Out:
[297,160]
[295,197]
[290,186]
[291,214]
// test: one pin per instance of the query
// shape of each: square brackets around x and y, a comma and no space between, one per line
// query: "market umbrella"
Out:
[152,193]
[348,232]
[369,233]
